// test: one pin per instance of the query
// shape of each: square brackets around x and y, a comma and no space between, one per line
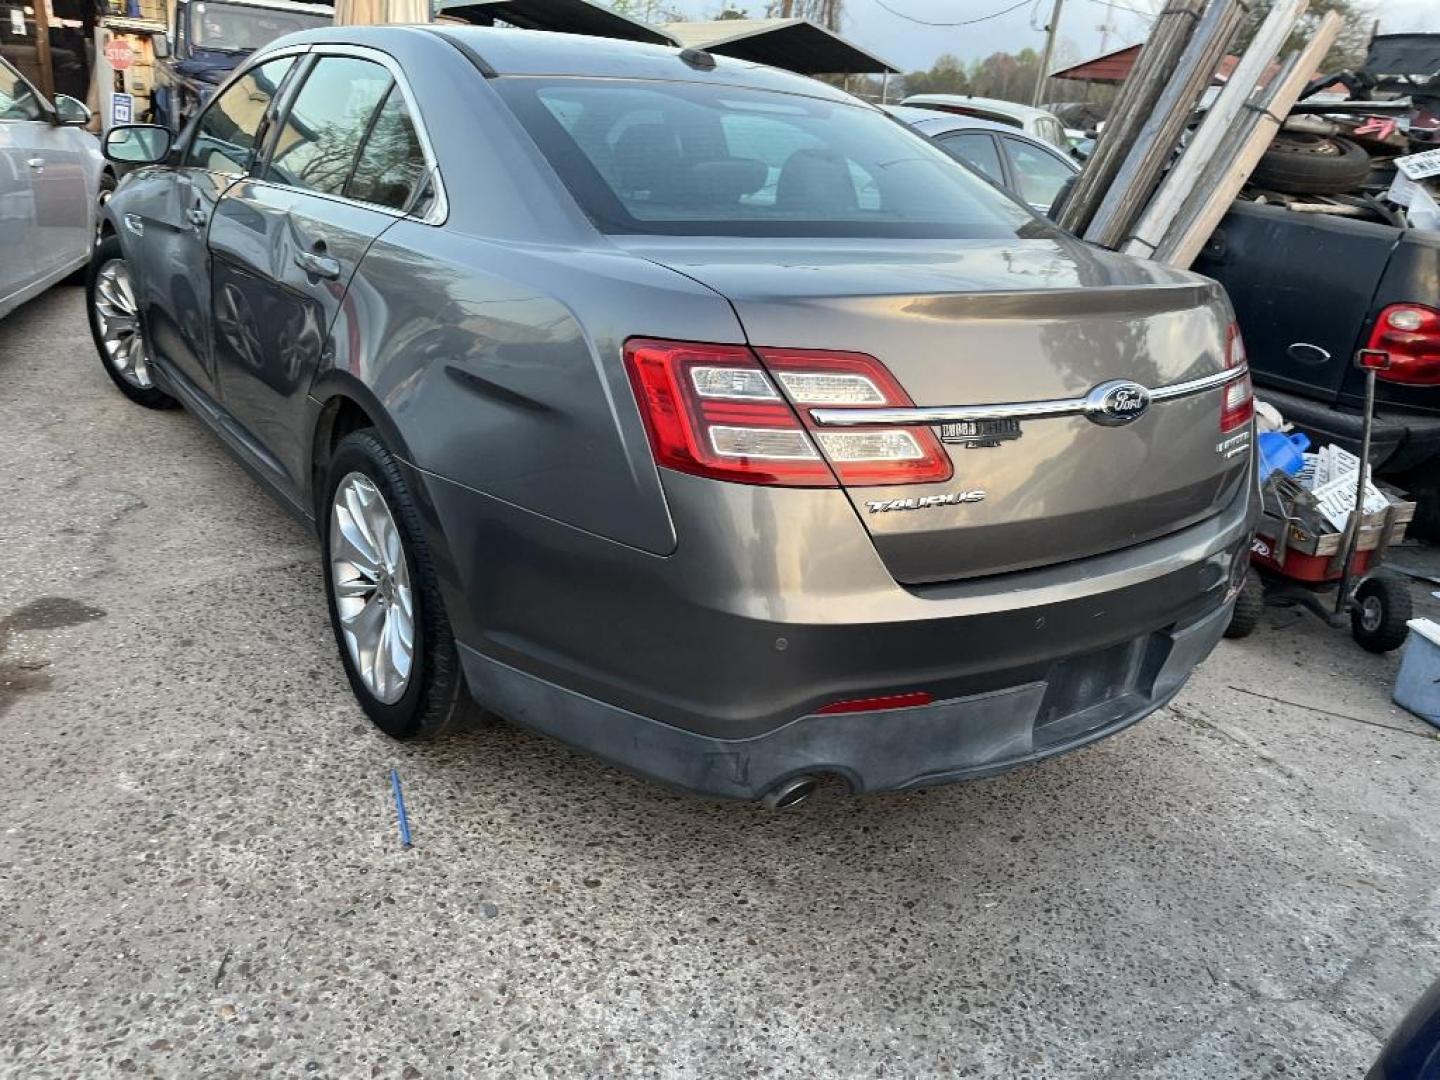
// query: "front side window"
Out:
[17,100]
[977,149]
[696,159]
[327,122]
[1039,173]
[224,139]
[391,165]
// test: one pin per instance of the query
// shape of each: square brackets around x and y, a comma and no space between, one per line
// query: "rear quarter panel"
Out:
[500,365]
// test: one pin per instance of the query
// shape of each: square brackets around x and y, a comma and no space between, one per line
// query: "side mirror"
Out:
[137,144]
[70,111]
[161,44]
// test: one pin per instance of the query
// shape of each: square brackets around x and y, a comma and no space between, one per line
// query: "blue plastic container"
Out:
[1282,452]
[1417,687]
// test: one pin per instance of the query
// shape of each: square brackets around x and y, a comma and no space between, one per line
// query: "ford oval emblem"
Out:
[1112,404]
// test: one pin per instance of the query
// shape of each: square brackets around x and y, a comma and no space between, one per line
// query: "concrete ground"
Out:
[200,872]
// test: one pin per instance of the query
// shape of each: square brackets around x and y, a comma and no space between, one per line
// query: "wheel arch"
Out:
[345,404]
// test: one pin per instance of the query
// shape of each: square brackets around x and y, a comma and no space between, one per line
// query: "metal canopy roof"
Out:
[797,45]
[563,16]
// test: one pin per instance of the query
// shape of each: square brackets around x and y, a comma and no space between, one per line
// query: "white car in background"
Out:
[52,180]
[1036,123]
[1030,169]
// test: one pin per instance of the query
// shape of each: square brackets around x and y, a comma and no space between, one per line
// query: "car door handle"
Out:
[198,217]
[36,162]
[317,265]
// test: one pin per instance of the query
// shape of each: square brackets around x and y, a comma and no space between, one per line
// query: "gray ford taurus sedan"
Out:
[687,410]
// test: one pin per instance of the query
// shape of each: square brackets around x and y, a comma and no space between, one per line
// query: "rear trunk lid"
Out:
[969,323]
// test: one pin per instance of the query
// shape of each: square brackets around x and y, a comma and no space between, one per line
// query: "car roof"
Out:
[1009,108]
[503,51]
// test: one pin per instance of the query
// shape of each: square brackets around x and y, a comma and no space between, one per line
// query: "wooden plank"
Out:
[43,59]
[376,12]
[1180,251]
[1220,119]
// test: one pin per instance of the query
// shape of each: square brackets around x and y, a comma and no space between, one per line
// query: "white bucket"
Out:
[1417,687]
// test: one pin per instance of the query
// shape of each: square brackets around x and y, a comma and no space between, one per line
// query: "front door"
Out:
[44,208]
[344,166]
[175,216]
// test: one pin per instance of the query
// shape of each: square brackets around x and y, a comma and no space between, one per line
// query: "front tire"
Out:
[385,608]
[110,299]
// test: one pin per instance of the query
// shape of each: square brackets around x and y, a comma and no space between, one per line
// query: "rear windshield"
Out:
[699,160]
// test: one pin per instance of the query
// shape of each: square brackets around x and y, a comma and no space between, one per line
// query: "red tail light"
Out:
[860,456]
[714,410]
[1410,335]
[1238,405]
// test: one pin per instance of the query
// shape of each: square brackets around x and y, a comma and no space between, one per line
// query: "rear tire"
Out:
[1382,608]
[1249,606]
[378,569]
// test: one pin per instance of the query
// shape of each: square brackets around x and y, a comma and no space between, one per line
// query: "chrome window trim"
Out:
[440,206]
[1013,410]
[186,138]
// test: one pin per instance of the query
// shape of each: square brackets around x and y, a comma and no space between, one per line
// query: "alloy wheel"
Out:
[116,313]
[373,597]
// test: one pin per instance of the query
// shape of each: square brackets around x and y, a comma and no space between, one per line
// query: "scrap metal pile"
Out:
[1170,161]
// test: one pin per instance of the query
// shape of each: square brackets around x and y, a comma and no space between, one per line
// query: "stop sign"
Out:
[119,54]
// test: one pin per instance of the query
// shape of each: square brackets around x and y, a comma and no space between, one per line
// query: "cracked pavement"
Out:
[200,872]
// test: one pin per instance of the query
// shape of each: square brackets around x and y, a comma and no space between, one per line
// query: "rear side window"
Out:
[326,124]
[977,149]
[698,159]
[1050,131]
[224,138]
[391,165]
[1039,174]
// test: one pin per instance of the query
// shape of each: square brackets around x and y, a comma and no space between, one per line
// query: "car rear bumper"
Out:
[1399,441]
[709,668]
[1081,699]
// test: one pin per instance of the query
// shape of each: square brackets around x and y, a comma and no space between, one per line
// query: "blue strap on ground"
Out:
[400,814]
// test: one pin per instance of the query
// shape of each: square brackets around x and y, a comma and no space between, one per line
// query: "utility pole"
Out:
[1050,32]
[43,61]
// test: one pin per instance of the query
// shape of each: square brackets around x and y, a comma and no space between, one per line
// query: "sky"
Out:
[909,46]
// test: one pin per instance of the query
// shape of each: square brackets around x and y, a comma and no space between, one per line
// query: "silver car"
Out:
[51,180]
[687,410]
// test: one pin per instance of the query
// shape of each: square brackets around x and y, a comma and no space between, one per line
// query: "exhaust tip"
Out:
[791,793]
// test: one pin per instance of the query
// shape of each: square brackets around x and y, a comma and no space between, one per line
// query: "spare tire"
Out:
[1301,164]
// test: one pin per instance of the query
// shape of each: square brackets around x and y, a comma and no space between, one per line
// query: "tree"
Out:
[828,13]
[1008,76]
[1349,48]
[648,11]
[946,76]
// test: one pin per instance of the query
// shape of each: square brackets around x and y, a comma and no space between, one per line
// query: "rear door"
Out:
[19,107]
[45,215]
[346,162]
